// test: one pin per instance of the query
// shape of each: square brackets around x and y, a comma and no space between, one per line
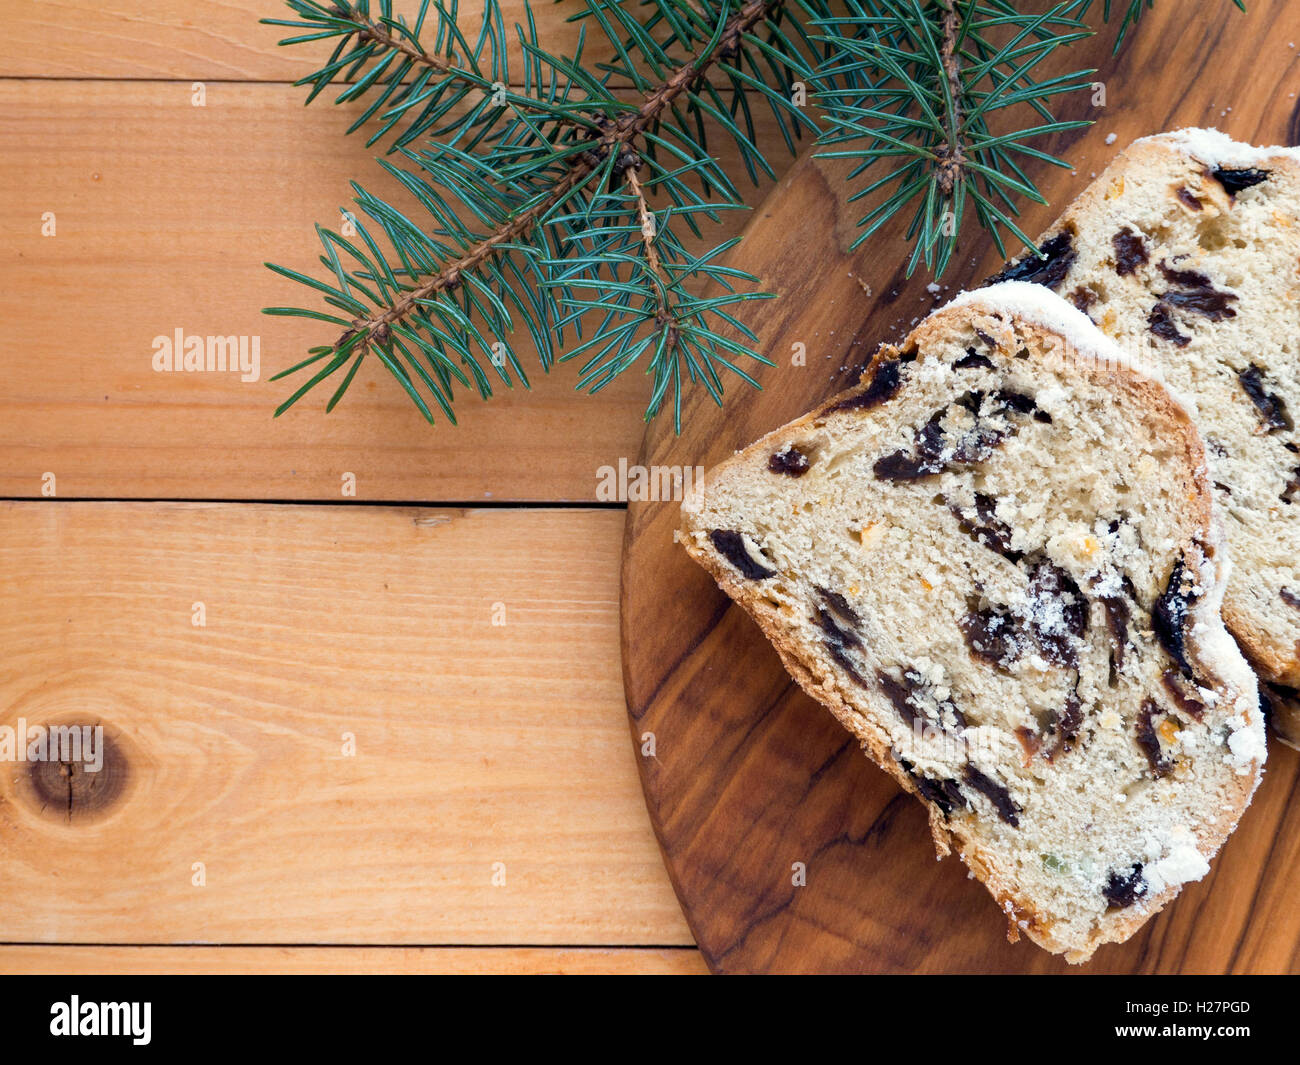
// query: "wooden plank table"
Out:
[397,742]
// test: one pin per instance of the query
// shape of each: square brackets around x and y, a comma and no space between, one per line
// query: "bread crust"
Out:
[876,741]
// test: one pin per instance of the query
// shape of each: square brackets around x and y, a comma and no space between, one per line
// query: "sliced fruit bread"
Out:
[996,562]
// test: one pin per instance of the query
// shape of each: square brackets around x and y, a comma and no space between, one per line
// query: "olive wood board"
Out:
[744,775]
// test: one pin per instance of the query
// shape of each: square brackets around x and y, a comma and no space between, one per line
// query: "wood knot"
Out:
[76,771]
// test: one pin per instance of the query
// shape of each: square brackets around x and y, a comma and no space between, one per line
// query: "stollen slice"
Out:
[1186,252]
[996,562]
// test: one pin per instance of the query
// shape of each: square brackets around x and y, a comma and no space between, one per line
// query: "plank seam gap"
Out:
[366,946]
[449,504]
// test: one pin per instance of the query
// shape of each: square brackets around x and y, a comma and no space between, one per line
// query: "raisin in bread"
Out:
[1185,252]
[995,561]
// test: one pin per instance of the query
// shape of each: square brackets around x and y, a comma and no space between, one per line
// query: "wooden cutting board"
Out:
[748,780]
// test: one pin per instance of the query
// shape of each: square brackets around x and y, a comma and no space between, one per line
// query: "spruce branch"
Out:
[920,85]
[536,210]
[409,85]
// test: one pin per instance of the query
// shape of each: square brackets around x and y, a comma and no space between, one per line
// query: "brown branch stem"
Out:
[664,314]
[647,223]
[952,156]
[616,137]
[375,32]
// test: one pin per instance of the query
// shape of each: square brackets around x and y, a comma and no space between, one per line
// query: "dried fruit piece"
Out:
[991,636]
[986,528]
[1030,740]
[1235,180]
[731,545]
[1130,252]
[925,460]
[840,605]
[900,695]
[828,625]
[996,793]
[1270,405]
[1197,293]
[973,360]
[1176,686]
[1148,721]
[915,702]
[944,793]
[790,461]
[1058,613]
[1083,298]
[1117,615]
[1169,616]
[1291,487]
[1050,270]
[885,381]
[1066,726]
[842,659]
[1161,323]
[1124,889]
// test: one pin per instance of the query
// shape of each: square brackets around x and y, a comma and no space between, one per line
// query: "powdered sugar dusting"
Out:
[1246,743]
[1180,865]
[1043,307]
[1214,148]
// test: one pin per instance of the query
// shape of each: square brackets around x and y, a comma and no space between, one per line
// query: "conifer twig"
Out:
[920,84]
[550,171]
[374,32]
[615,140]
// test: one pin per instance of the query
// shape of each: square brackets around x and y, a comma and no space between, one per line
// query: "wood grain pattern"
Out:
[164,215]
[476,742]
[224,961]
[751,776]
[150,39]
